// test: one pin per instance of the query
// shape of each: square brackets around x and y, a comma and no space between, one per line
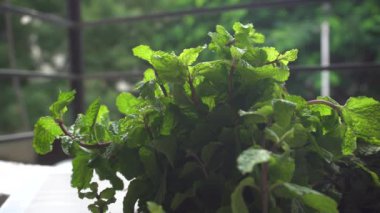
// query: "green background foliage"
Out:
[354,38]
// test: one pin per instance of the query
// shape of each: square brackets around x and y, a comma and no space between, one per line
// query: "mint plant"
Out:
[221,135]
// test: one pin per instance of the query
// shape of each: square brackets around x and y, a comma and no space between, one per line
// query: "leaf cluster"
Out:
[216,136]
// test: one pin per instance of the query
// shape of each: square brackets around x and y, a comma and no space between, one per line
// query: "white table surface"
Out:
[40,189]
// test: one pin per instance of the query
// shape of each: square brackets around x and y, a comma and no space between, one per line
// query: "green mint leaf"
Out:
[107,193]
[81,172]
[237,200]
[58,108]
[127,103]
[219,40]
[103,115]
[362,116]
[143,52]
[179,197]
[374,176]
[46,130]
[167,124]
[189,56]
[168,67]
[289,56]
[283,111]
[94,187]
[128,162]
[167,146]
[245,35]
[298,100]
[149,75]
[249,158]
[270,71]
[208,151]
[91,115]
[104,169]
[136,189]
[236,52]
[281,168]
[255,56]
[271,135]
[149,160]
[209,101]
[309,197]
[349,142]
[272,53]
[93,208]
[154,207]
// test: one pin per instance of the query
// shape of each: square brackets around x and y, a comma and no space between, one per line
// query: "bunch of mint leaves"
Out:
[221,135]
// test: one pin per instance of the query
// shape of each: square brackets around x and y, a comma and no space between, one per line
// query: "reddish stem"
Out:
[87,146]
[327,103]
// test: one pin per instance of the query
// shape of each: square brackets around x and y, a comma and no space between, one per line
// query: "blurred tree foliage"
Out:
[40,46]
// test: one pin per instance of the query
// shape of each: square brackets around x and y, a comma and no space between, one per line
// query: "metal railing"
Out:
[75,25]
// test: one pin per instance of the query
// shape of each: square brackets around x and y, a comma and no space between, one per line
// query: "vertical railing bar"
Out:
[15,80]
[75,54]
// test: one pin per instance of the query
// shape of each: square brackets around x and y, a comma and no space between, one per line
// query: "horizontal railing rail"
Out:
[55,19]
[135,75]
[199,11]
[16,137]
[47,17]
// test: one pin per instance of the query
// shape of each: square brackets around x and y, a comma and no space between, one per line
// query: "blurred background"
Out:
[46,45]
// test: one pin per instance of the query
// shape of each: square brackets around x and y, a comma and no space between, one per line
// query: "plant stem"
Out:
[63,128]
[162,87]
[327,103]
[264,188]
[264,184]
[87,146]
[148,129]
[194,96]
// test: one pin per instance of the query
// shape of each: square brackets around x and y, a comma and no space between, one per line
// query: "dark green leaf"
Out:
[167,124]
[93,208]
[136,189]
[309,197]
[167,146]
[208,151]
[149,160]
[104,169]
[129,162]
[82,173]
[283,112]
[237,200]
[281,168]
[180,197]
[107,193]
